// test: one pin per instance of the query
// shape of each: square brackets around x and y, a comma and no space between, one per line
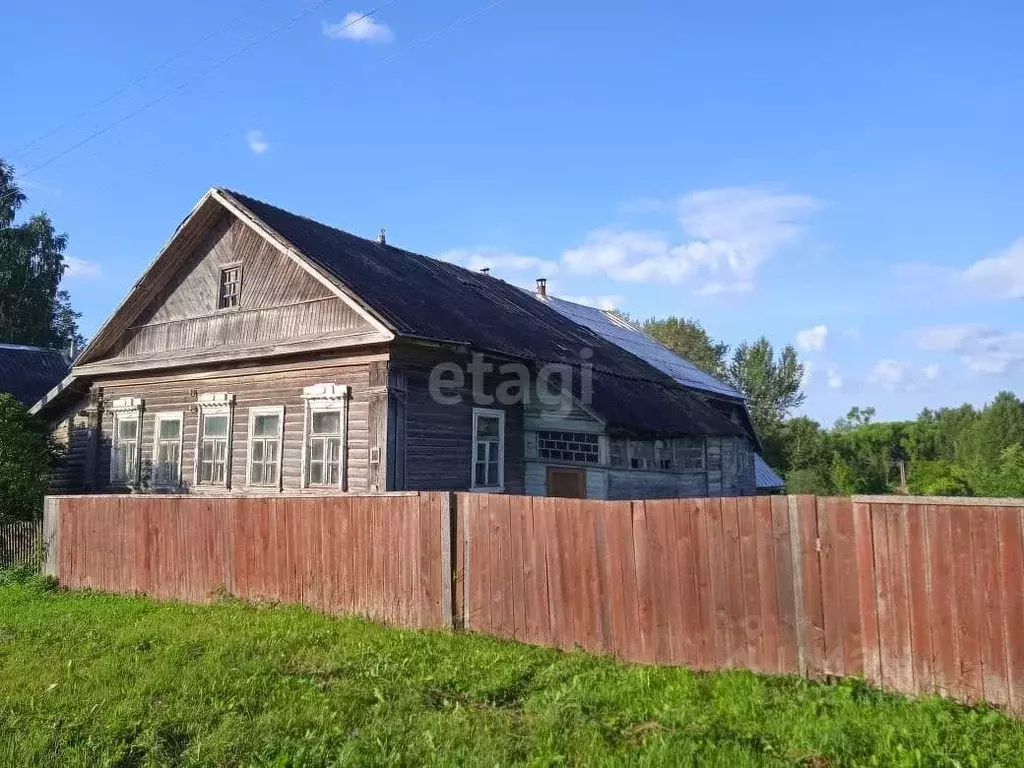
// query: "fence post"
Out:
[802,645]
[51,536]
[449,517]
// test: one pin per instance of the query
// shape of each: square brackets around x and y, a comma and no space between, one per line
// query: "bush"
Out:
[28,456]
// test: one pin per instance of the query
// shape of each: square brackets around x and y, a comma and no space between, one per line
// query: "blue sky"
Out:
[847,178]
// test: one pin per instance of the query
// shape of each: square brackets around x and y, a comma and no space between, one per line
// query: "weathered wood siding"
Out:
[438,438]
[74,435]
[280,304]
[252,387]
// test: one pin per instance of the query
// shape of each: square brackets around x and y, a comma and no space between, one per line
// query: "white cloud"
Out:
[835,377]
[812,338]
[730,232]
[996,278]
[897,376]
[360,27]
[981,349]
[999,277]
[809,370]
[80,268]
[500,261]
[257,142]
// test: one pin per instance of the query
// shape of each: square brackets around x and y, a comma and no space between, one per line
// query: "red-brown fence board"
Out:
[919,595]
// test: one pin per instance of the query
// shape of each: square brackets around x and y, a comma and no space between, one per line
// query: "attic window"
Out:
[230,286]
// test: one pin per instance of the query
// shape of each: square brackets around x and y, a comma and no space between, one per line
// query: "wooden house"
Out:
[263,352]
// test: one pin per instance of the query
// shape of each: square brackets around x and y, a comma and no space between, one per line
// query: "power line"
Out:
[141,78]
[217,65]
[469,17]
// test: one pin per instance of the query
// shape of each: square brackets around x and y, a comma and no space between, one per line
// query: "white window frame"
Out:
[214,404]
[265,410]
[321,398]
[500,415]
[178,416]
[126,408]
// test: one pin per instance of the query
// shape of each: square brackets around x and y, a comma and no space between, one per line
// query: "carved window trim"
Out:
[126,409]
[214,404]
[325,398]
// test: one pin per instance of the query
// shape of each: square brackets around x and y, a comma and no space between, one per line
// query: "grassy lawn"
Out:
[88,679]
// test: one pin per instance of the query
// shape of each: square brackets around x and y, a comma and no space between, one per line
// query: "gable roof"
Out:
[28,373]
[419,297]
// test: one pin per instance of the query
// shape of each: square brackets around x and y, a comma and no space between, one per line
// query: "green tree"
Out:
[770,383]
[688,339]
[33,308]
[28,456]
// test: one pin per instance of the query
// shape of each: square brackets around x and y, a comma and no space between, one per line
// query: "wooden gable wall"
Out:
[282,307]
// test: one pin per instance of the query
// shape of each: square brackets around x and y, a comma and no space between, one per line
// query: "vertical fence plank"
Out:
[970,685]
[832,586]
[630,590]
[768,607]
[1011,569]
[736,652]
[919,597]
[644,581]
[604,577]
[940,559]
[867,605]
[538,621]
[993,650]
[685,517]
[753,631]
[785,586]
[706,641]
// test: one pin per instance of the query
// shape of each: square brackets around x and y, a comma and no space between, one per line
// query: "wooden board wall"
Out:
[438,438]
[251,388]
[280,303]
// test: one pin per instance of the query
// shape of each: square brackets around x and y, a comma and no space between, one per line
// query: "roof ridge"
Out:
[317,222]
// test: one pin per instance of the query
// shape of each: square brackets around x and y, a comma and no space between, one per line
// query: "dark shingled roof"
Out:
[28,373]
[425,298]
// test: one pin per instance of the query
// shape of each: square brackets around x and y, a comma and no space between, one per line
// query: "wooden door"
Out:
[567,483]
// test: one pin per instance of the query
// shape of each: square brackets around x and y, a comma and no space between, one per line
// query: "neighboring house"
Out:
[28,373]
[264,352]
[33,373]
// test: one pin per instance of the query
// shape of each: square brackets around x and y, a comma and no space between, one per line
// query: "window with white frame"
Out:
[325,435]
[167,450]
[266,427]
[488,449]
[213,439]
[124,445]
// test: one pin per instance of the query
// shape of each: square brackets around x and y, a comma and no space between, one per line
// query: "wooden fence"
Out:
[21,543]
[375,555]
[916,595]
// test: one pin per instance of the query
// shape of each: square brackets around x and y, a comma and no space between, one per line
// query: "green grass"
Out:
[90,679]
